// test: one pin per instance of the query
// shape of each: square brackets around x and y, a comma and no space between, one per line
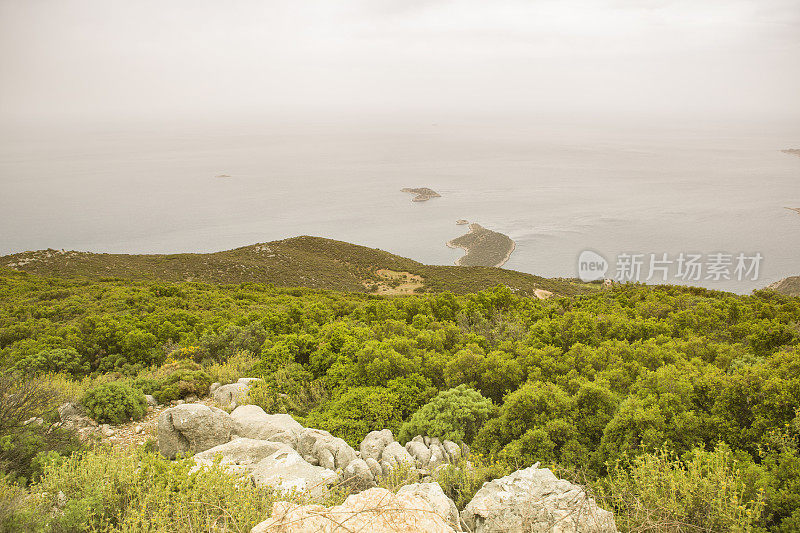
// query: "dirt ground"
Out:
[408,282]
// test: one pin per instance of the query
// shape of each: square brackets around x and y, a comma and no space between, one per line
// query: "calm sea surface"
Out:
[554,187]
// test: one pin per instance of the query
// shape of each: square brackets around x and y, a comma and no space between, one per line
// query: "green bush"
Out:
[181,379]
[57,360]
[462,480]
[358,411]
[290,389]
[241,365]
[114,403]
[661,492]
[27,407]
[146,384]
[455,414]
[107,491]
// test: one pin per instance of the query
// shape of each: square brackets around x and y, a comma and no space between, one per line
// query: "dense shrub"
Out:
[146,384]
[358,411]
[114,403]
[290,389]
[27,407]
[462,480]
[241,365]
[107,491]
[57,360]
[181,379]
[455,414]
[581,381]
[661,492]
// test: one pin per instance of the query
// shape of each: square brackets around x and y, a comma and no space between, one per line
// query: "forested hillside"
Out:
[627,389]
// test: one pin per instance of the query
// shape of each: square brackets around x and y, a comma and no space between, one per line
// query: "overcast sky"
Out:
[115,58]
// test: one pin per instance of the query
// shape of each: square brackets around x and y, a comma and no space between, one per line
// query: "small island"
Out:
[462,222]
[222,176]
[792,151]
[423,194]
[484,247]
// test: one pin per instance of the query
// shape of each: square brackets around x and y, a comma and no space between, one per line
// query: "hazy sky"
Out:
[114,58]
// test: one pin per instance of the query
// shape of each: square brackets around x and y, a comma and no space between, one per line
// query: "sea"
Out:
[629,189]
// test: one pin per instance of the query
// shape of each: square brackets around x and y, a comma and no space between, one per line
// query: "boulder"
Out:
[319,447]
[286,470]
[438,454]
[535,500]
[192,428]
[151,400]
[429,453]
[250,421]
[373,444]
[248,381]
[240,455]
[376,510]
[393,455]
[374,467]
[437,499]
[453,451]
[358,475]
[230,396]
[417,449]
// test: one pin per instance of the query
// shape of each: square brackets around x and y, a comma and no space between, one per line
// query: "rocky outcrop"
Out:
[382,453]
[376,510]
[286,470]
[192,428]
[373,444]
[437,499]
[232,395]
[535,500]
[250,421]
[276,451]
[239,455]
[430,453]
[269,463]
[319,447]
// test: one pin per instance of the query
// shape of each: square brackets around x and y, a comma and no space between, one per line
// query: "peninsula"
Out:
[423,194]
[795,209]
[483,247]
[792,151]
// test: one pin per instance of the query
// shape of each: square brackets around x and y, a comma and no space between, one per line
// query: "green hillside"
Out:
[297,262]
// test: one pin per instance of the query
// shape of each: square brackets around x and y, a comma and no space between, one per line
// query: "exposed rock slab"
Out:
[535,500]
[286,470]
[376,510]
[250,421]
[240,455]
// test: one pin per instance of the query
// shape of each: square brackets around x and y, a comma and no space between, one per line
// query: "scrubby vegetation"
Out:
[296,262]
[114,403]
[673,399]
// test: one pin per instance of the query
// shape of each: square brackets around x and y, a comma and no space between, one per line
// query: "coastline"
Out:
[479,245]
